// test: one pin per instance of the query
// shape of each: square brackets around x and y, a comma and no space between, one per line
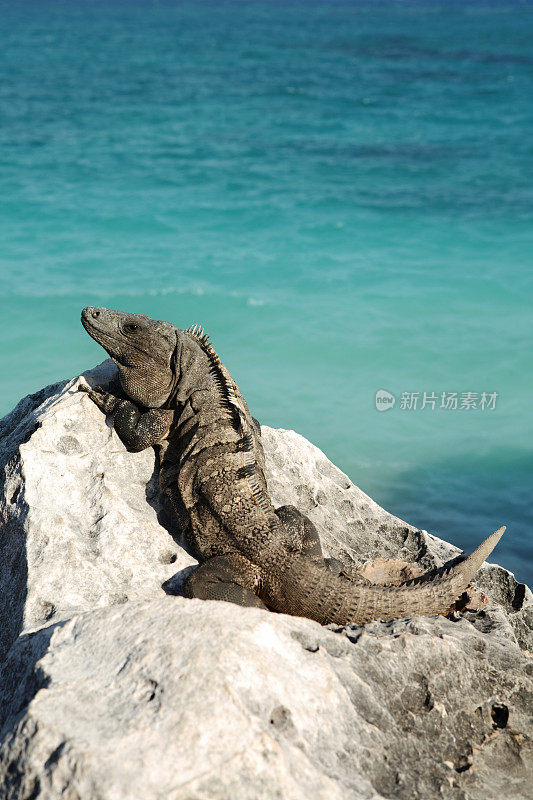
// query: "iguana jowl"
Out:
[176,393]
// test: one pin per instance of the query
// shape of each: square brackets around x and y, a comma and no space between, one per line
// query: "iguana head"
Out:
[143,349]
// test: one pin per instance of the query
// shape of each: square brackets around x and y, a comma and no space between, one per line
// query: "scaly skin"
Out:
[179,396]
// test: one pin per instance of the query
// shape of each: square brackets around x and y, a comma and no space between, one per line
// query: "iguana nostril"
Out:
[95,314]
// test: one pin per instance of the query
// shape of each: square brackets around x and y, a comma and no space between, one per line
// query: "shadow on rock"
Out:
[168,521]
[16,428]
[21,677]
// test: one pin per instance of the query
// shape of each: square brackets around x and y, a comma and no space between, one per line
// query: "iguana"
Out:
[175,393]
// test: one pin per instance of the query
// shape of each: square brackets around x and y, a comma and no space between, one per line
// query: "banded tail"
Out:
[328,598]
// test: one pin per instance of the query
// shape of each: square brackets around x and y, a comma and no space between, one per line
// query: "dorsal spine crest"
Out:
[230,401]
[221,375]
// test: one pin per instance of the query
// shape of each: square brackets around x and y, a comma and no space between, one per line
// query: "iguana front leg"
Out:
[137,429]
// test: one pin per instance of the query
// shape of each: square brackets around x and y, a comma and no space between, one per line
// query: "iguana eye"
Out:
[131,327]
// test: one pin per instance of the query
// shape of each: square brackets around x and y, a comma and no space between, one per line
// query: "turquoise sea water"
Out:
[340,192]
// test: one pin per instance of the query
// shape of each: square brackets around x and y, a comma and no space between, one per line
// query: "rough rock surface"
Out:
[111,689]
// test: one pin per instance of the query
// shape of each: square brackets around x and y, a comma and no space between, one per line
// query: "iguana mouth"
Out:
[111,341]
[96,333]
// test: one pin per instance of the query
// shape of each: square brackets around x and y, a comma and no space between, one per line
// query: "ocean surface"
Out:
[341,192]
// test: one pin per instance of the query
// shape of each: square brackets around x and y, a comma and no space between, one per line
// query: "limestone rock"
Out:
[112,690]
[189,699]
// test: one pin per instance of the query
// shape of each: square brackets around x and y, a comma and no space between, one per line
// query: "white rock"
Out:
[166,697]
[189,699]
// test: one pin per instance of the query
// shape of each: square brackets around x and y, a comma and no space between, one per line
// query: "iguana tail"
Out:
[328,598]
